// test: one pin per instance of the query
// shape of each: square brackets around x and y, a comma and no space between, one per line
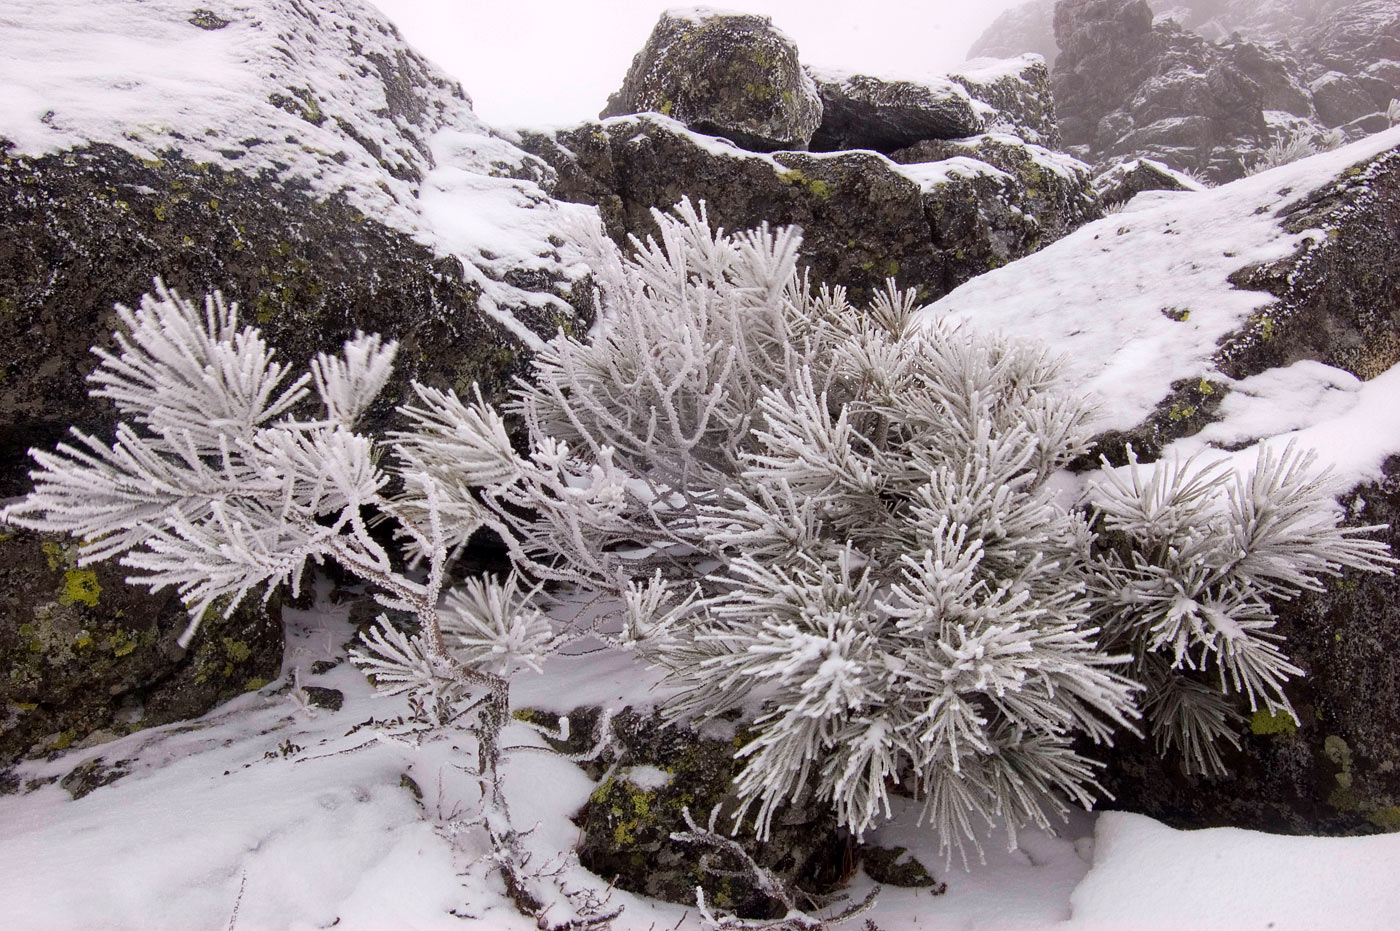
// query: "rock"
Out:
[1050,188]
[864,112]
[1340,99]
[83,653]
[1125,88]
[654,772]
[1122,181]
[91,226]
[864,218]
[321,697]
[1208,85]
[1029,27]
[1018,90]
[1338,295]
[728,75]
[317,176]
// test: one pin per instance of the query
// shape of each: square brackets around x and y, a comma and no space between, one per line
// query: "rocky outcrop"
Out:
[1125,87]
[930,224]
[728,75]
[1210,86]
[86,658]
[1018,91]
[1049,188]
[864,112]
[1029,27]
[315,169]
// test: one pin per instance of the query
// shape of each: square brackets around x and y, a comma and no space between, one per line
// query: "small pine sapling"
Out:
[215,487]
[840,521]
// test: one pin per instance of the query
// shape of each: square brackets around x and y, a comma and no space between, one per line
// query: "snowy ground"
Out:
[252,817]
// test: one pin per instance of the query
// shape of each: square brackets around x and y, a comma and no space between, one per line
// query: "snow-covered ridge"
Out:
[322,94]
[1140,299]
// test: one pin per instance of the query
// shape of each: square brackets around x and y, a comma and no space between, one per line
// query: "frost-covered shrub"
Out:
[216,487]
[840,520]
[1290,147]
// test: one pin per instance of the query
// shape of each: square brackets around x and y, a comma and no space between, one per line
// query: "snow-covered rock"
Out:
[966,207]
[298,155]
[726,74]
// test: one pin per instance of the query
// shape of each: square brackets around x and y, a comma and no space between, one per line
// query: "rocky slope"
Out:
[1208,87]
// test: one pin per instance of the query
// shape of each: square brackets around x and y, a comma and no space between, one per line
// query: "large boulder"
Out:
[724,74]
[86,658]
[864,112]
[930,225]
[313,167]
[1208,321]
[1018,91]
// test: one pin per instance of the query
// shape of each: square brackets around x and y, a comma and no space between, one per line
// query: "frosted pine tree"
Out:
[215,487]
[837,520]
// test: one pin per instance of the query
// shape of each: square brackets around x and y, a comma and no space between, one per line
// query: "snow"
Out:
[263,815]
[1105,296]
[1225,878]
[995,70]
[332,97]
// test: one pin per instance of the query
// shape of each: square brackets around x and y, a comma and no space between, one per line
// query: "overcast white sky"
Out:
[536,62]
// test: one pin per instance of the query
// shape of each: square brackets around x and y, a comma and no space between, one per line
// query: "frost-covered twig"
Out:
[795,919]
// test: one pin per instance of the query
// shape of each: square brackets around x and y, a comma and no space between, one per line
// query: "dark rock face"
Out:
[1029,27]
[1337,771]
[1125,87]
[726,75]
[864,220]
[1339,295]
[863,112]
[1129,83]
[90,227]
[86,657]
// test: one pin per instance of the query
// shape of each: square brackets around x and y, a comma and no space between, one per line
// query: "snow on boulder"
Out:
[725,74]
[1018,91]
[296,154]
[1051,188]
[884,114]
[1124,180]
[864,218]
